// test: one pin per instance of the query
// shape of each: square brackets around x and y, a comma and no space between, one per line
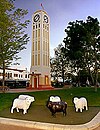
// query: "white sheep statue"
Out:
[80,103]
[20,103]
[54,99]
[25,96]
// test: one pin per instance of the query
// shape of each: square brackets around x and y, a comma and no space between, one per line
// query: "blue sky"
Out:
[61,12]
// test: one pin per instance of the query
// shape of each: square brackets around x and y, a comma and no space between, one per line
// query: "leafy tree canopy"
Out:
[83,45]
[12,31]
[13,38]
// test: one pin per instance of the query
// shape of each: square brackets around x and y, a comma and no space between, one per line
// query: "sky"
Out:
[61,12]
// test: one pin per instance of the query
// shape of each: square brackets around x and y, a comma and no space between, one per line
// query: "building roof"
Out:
[20,70]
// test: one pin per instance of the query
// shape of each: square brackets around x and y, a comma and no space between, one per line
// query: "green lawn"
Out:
[39,112]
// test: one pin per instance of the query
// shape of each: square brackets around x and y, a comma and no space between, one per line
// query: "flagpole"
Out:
[42,6]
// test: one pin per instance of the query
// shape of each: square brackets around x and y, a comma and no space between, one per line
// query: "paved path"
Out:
[11,127]
[97,128]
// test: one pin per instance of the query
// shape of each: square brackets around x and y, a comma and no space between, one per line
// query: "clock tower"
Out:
[40,55]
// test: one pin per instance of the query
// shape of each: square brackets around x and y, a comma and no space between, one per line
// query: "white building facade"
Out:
[15,74]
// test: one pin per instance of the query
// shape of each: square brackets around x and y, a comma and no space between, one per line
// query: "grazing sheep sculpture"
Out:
[24,104]
[26,96]
[80,103]
[58,106]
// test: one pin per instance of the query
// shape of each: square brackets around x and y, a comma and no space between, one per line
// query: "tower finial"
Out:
[42,6]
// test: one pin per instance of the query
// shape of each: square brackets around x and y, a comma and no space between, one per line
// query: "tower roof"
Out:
[40,11]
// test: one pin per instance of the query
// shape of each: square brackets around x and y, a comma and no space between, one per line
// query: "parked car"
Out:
[57,84]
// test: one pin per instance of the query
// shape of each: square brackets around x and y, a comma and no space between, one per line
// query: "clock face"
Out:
[36,17]
[45,18]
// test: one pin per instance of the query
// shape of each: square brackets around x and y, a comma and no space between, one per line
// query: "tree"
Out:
[83,46]
[54,69]
[92,54]
[59,63]
[12,33]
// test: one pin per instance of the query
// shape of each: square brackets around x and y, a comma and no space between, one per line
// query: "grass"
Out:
[39,112]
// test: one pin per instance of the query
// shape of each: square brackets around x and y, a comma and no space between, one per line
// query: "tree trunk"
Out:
[90,73]
[63,77]
[96,80]
[96,75]
[3,80]
[79,78]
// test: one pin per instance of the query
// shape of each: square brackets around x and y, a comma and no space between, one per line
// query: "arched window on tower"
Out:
[38,45]
[38,33]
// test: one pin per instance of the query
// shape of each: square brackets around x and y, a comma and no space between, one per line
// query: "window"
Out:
[38,32]
[35,59]
[38,59]
[38,45]
[33,46]
[25,75]
[44,45]
[15,75]
[33,34]
[43,59]
[10,75]
[33,27]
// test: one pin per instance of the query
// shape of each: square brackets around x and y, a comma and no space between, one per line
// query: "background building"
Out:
[15,77]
